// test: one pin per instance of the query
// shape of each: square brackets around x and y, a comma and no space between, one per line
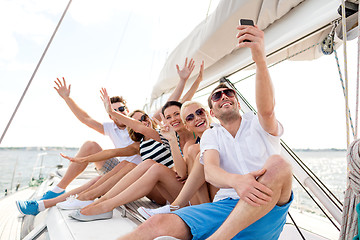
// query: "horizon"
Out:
[60,147]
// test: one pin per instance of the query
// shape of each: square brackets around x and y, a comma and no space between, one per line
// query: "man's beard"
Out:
[228,116]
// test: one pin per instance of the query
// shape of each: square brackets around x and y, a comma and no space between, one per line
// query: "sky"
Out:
[122,45]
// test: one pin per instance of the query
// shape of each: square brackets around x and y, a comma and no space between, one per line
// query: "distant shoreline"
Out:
[75,148]
[38,148]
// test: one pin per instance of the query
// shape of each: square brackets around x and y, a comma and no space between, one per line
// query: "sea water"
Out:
[16,167]
[330,166]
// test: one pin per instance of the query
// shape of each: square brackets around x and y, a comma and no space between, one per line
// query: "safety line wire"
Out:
[296,226]
[317,204]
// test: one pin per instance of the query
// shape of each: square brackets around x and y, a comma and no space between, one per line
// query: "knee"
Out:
[157,169]
[91,147]
[194,151]
[157,224]
[147,163]
[280,166]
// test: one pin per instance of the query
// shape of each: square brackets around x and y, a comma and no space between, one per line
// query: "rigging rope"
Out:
[343,22]
[344,90]
[357,80]
[35,71]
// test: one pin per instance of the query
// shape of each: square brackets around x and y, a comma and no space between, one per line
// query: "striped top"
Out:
[159,152]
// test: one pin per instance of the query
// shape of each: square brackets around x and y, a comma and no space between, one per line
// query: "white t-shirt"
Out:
[121,139]
[245,153]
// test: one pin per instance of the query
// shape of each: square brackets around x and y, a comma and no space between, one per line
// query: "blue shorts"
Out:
[204,219]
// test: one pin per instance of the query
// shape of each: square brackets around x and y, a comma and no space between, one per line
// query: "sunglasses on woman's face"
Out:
[120,109]
[191,116]
[217,95]
[143,118]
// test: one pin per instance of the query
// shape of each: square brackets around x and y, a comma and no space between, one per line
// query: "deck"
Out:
[56,224]
[10,222]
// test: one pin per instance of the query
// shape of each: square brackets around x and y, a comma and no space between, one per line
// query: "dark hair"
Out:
[221,85]
[135,136]
[116,99]
[169,104]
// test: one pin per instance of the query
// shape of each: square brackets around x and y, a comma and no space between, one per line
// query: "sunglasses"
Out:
[120,109]
[217,95]
[191,116]
[143,118]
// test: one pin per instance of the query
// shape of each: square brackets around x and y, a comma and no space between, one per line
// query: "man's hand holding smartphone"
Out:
[246,22]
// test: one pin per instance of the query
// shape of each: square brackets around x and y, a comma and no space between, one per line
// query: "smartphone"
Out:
[246,22]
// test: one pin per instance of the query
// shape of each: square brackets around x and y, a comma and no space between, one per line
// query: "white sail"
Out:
[289,27]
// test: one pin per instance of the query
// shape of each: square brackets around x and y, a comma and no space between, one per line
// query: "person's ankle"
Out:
[58,189]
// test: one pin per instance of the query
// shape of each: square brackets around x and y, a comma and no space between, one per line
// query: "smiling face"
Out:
[172,116]
[225,108]
[143,118]
[196,118]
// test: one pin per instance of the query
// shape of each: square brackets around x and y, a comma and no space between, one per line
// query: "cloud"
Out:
[26,20]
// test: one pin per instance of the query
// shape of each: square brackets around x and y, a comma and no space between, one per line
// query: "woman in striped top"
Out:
[141,180]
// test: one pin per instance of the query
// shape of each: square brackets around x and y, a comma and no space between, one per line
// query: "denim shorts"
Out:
[204,219]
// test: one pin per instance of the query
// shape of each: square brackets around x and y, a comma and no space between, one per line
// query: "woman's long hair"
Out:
[135,136]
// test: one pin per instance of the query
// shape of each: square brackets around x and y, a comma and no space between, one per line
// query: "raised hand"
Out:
[165,129]
[186,71]
[106,100]
[201,71]
[252,191]
[73,159]
[62,89]
[256,44]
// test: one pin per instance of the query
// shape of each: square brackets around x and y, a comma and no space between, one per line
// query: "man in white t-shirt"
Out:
[115,130]
[241,157]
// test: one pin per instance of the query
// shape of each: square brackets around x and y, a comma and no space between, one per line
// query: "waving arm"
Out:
[191,92]
[106,154]
[64,91]
[129,122]
[184,75]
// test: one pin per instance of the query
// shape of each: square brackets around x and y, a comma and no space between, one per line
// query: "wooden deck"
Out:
[10,222]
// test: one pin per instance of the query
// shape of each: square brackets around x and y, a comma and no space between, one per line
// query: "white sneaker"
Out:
[72,203]
[148,212]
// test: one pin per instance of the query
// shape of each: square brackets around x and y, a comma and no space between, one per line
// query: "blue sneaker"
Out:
[50,194]
[30,207]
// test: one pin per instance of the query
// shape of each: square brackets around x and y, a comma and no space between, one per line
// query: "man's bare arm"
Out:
[265,97]
[64,92]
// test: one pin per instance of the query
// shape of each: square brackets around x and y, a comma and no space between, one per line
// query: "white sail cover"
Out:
[214,41]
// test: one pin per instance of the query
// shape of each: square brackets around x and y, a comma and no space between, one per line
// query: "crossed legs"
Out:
[278,177]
